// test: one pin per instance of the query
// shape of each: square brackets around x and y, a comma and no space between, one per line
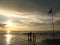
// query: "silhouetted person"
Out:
[34,38]
[31,38]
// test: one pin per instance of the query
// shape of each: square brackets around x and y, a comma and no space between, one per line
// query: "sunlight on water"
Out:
[8,37]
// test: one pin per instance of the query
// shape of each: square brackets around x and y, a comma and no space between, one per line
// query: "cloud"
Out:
[30,5]
[3,18]
[57,22]
[30,13]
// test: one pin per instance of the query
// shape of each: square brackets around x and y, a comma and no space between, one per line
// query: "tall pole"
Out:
[51,12]
[53,25]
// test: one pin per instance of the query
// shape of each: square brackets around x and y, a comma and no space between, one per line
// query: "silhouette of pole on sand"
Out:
[31,38]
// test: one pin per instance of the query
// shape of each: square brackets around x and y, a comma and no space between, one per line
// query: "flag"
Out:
[50,11]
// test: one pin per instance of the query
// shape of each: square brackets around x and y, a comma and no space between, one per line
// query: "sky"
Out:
[30,15]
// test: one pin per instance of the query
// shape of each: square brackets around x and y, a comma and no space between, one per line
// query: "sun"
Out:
[8,24]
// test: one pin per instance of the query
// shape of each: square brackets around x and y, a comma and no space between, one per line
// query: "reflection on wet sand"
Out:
[18,38]
[8,37]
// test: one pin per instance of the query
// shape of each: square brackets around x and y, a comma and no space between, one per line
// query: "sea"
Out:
[21,38]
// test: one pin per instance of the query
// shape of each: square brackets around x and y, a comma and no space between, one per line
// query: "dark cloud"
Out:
[31,5]
[35,24]
[57,22]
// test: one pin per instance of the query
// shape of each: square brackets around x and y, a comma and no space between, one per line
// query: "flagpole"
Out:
[53,25]
[51,12]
